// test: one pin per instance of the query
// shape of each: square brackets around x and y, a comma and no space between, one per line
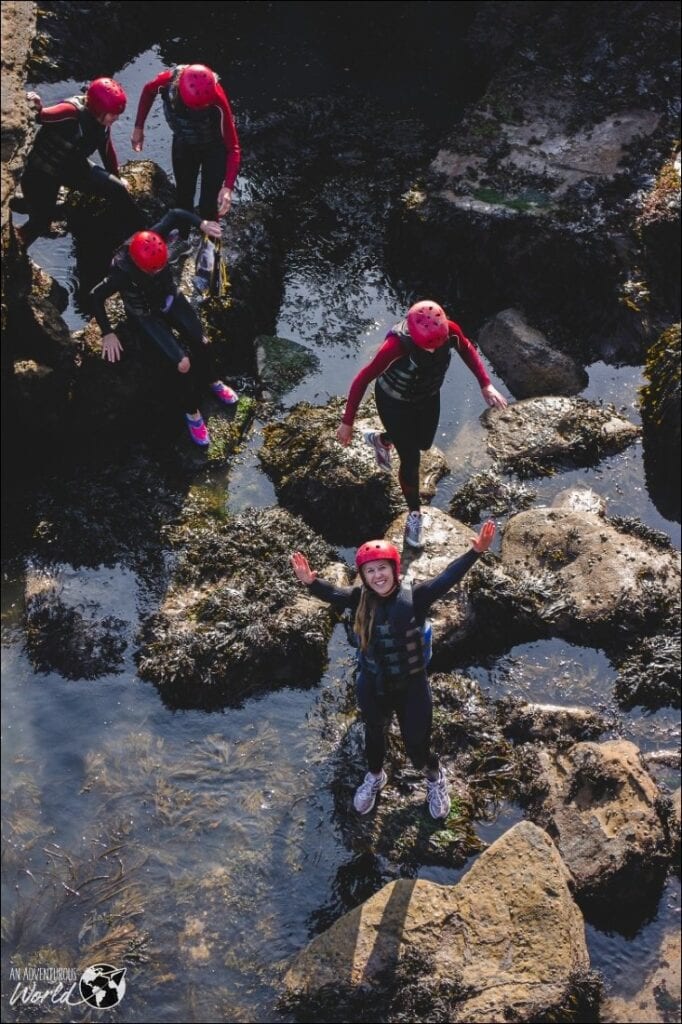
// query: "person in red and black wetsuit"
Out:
[204,139]
[70,131]
[409,369]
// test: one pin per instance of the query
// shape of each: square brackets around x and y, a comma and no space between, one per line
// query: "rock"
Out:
[580,499]
[339,491]
[583,577]
[507,939]
[533,437]
[649,672]
[525,722]
[661,400]
[235,619]
[526,361]
[487,494]
[18,27]
[283,364]
[658,227]
[658,1000]
[600,806]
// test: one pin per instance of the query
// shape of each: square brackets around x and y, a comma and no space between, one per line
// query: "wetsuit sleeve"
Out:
[230,138]
[108,155]
[109,286]
[60,112]
[425,594]
[469,354]
[175,219]
[387,354]
[148,95]
[340,597]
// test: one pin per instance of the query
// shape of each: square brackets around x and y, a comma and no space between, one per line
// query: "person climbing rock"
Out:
[69,132]
[141,275]
[389,624]
[204,140]
[409,369]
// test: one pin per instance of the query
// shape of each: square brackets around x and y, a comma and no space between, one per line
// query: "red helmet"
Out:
[105,96]
[148,251]
[373,550]
[196,86]
[427,324]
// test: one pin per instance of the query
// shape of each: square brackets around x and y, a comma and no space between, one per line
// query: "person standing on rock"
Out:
[389,622]
[409,369]
[69,132]
[204,140]
[141,275]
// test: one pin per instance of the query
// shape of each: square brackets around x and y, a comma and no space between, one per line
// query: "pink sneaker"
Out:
[198,432]
[224,394]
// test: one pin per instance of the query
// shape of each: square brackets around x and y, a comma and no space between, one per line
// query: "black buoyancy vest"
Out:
[418,374]
[195,127]
[142,294]
[58,146]
[396,649]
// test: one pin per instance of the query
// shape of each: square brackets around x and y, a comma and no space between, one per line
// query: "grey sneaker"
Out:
[414,530]
[179,248]
[381,451]
[367,792]
[437,796]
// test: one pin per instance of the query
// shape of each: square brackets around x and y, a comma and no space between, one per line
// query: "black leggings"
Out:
[182,317]
[411,427]
[41,190]
[188,161]
[414,710]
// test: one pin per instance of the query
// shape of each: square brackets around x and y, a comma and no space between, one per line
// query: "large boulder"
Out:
[600,806]
[533,437]
[339,491]
[235,619]
[525,360]
[506,942]
[18,27]
[661,401]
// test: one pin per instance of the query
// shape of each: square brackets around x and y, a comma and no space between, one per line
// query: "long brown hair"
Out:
[364,616]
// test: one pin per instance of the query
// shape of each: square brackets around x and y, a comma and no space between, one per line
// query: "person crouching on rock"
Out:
[69,132]
[390,617]
[141,275]
[409,369]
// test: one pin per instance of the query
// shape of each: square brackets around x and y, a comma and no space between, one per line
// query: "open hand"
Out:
[493,397]
[304,573]
[485,537]
[184,364]
[211,227]
[137,140]
[224,201]
[111,348]
[344,434]
[35,101]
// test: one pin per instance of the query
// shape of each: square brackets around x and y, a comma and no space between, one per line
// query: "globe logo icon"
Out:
[103,986]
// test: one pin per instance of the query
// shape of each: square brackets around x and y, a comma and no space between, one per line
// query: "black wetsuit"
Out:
[411,702]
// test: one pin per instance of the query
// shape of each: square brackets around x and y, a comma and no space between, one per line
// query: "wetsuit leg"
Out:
[187,323]
[125,212]
[212,178]
[411,426]
[40,192]
[415,717]
[376,716]
[186,163]
[184,384]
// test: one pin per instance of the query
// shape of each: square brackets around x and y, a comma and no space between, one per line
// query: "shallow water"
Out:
[224,823]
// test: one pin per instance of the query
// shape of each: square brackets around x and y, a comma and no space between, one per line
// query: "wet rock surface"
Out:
[649,672]
[661,400]
[235,619]
[525,722]
[282,364]
[489,494]
[580,499]
[339,491]
[601,807]
[509,935]
[526,361]
[18,27]
[533,437]
[658,1000]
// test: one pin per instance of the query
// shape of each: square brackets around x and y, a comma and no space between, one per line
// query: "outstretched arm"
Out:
[470,356]
[425,594]
[340,597]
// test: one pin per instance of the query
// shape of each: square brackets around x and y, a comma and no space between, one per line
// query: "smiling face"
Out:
[379,576]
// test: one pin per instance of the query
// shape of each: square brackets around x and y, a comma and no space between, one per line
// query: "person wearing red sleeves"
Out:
[204,140]
[409,370]
[69,132]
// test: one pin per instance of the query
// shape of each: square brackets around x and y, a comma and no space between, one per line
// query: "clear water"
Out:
[222,827]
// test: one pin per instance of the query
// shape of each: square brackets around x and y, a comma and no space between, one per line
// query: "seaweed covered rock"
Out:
[488,494]
[283,364]
[339,491]
[649,672]
[525,360]
[658,227]
[533,437]
[576,575]
[524,722]
[600,806]
[508,934]
[661,400]
[235,619]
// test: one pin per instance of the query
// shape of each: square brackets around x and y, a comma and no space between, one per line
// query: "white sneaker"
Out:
[367,792]
[382,452]
[438,796]
[414,530]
